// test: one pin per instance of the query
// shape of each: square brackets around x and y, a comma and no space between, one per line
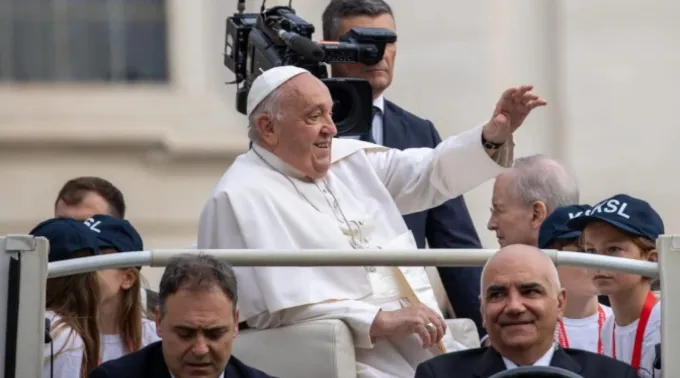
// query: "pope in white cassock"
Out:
[299,188]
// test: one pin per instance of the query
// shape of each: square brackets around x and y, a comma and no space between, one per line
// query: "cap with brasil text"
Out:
[554,227]
[66,236]
[267,83]
[629,214]
[115,233]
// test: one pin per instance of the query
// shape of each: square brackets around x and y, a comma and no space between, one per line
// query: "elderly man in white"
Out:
[299,188]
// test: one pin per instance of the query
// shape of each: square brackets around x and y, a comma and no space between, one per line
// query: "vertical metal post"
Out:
[668,247]
[28,257]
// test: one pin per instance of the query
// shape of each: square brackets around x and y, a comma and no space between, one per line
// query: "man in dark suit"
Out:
[197,320]
[485,362]
[447,226]
[521,304]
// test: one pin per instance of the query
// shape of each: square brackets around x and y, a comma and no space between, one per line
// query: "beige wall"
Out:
[607,67]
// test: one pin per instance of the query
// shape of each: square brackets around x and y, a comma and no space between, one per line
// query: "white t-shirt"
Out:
[585,333]
[625,338]
[69,348]
[113,346]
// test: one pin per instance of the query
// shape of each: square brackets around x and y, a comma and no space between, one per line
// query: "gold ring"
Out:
[429,326]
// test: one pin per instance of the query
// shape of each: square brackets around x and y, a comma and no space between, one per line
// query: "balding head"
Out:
[294,122]
[526,194]
[522,301]
[519,255]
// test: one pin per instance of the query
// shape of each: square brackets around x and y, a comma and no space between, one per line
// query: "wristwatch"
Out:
[491,145]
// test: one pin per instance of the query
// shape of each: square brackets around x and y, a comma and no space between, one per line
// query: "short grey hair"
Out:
[541,178]
[270,105]
[197,272]
[336,10]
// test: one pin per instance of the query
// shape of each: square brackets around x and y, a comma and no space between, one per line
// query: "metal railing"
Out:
[334,257]
[29,346]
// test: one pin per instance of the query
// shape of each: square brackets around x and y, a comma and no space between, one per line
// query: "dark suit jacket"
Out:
[485,362]
[148,362]
[446,226]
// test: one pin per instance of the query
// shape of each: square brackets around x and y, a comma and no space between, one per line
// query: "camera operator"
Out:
[445,226]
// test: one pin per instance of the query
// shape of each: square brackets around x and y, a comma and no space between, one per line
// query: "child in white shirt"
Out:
[71,303]
[583,317]
[123,324]
[624,226]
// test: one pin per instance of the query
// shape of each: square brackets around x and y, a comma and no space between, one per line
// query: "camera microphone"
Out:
[303,46]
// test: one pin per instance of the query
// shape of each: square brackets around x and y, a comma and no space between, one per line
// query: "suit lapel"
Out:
[157,367]
[489,364]
[394,128]
[562,360]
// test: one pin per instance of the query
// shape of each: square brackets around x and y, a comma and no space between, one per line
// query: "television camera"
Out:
[256,42]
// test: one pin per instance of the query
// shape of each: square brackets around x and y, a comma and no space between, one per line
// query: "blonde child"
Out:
[624,226]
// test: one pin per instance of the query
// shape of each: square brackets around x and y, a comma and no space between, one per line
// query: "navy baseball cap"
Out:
[554,227]
[116,233]
[66,237]
[626,213]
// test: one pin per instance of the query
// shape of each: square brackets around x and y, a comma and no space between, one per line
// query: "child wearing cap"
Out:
[123,326]
[71,302]
[584,317]
[624,226]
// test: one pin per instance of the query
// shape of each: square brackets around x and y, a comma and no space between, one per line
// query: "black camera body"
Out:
[256,42]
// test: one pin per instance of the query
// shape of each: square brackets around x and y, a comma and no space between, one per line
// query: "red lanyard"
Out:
[639,333]
[564,340]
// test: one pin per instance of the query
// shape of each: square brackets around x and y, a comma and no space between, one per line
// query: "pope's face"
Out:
[303,134]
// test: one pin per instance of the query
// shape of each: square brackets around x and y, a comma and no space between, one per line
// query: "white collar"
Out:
[172,376]
[276,162]
[380,103]
[543,361]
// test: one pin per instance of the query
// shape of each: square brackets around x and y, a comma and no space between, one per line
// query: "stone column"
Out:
[188,36]
[526,47]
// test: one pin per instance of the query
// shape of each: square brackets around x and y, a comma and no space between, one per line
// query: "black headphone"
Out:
[48,340]
[48,325]
[657,359]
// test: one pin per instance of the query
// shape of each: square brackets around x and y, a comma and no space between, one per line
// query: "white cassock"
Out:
[263,203]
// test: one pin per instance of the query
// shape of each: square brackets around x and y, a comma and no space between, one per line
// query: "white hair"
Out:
[270,105]
[553,275]
[541,178]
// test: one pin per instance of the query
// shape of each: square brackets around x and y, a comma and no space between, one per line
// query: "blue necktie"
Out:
[368,137]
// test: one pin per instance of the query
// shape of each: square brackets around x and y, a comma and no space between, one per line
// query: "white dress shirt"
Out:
[543,361]
[377,123]
[221,375]
[377,126]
